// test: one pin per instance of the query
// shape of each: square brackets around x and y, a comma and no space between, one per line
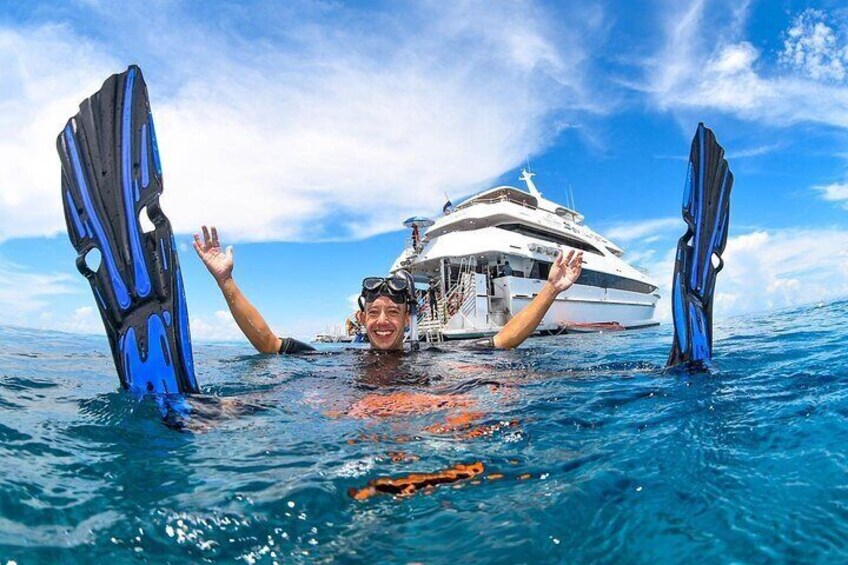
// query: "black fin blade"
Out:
[706,211]
[110,175]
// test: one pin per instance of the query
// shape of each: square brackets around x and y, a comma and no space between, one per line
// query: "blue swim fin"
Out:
[706,211]
[111,174]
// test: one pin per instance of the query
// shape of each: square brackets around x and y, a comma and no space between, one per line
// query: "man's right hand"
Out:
[219,263]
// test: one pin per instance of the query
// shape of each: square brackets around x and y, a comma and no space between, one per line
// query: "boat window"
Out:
[551,237]
[601,280]
[540,270]
[606,280]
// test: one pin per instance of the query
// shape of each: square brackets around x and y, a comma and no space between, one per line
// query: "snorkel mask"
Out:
[400,289]
[396,288]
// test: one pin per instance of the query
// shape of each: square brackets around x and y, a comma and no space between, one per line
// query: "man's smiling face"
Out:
[384,323]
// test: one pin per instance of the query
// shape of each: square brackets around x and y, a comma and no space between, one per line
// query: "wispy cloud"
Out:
[331,124]
[757,151]
[753,151]
[638,230]
[24,294]
[836,192]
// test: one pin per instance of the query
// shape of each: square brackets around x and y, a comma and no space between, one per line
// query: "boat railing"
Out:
[498,200]
[572,215]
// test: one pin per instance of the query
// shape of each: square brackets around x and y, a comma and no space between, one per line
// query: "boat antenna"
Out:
[527,177]
[571,197]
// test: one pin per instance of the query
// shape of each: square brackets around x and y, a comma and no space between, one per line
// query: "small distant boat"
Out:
[353,333]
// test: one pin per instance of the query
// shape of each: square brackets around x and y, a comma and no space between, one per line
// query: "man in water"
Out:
[384,302]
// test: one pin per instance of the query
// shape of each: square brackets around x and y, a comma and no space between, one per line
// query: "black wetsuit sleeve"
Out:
[291,346]
[485,343]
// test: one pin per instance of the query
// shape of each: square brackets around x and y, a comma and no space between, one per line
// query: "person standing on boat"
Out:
[386,304]
[416,238]
[433,299]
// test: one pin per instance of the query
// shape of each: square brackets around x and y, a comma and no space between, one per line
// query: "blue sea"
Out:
[590,452]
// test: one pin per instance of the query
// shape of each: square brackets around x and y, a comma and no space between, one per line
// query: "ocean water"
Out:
[591,453]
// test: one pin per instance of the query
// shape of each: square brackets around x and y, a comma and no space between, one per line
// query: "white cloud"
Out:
[639,258]
[773,269]
[353,302]
[32,300]
[752,151]
[836,192]
[44,69]
[23,293]
[220,326]
[814,48]
[734,155]
[335,130]
[29,299]
[702,69]
[770,269]
[644,229]
[703,64]
[84,320]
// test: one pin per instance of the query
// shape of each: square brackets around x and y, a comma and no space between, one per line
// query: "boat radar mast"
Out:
[527,177]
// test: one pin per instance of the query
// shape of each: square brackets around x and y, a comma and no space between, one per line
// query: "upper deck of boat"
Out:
[510,205]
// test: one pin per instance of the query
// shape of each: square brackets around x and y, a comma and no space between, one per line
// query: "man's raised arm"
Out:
[564,271]
[248,318]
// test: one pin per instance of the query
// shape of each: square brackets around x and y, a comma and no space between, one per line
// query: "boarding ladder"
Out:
[460,299]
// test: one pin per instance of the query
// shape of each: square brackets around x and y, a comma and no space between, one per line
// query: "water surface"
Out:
[592,453]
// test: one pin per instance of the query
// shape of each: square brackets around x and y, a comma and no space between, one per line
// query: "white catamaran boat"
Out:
[482,262]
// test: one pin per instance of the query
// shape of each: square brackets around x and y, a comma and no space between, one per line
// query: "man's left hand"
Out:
[565,270]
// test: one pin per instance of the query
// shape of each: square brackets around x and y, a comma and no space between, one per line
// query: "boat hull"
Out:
[580,307]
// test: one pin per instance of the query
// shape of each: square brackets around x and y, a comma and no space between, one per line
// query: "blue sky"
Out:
[308,132]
